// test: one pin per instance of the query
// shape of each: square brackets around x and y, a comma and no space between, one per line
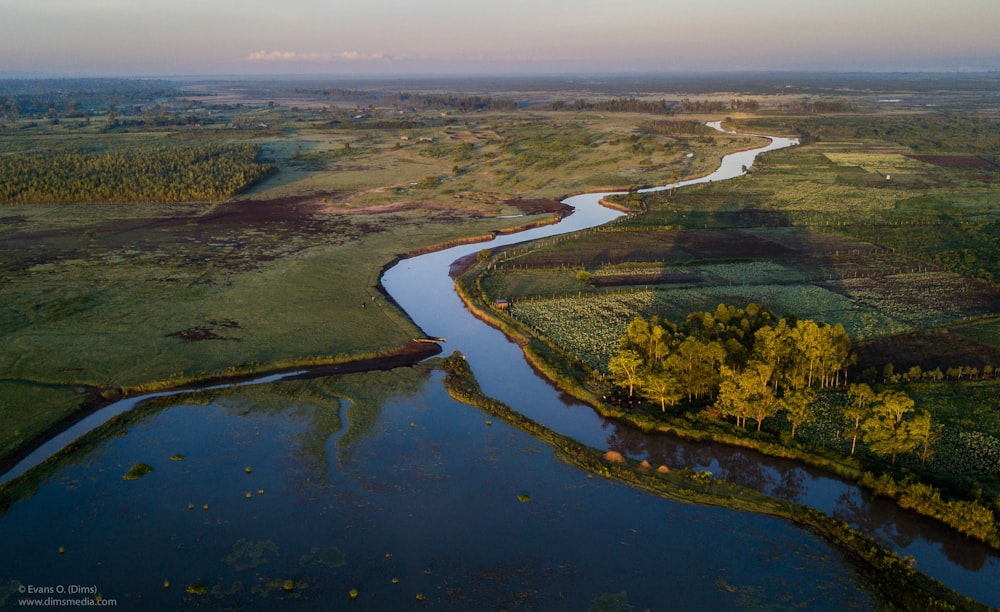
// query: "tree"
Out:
[884,430]
[696,366]
[626,368]
[747,394]
[661,386]
[921,430]
[798,407]
[771,345]
[862,398]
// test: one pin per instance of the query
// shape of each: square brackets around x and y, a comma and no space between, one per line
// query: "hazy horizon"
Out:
[445,37]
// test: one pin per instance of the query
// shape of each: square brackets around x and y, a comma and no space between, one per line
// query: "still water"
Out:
[399,492]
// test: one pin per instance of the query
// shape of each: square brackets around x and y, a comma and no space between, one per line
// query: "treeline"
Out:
[39,98]
[718,106]
[166,174]
[750,362]
[450,101]
[618,105]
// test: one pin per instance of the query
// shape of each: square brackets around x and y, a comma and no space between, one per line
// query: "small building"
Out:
[502,304]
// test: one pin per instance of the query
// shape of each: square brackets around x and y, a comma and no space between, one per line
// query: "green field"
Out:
[124,268]
[884,223]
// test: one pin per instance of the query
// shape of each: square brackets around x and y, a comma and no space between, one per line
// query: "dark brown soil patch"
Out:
[728,244]
[539,206]
[198,334]
[929,351]
[956,161]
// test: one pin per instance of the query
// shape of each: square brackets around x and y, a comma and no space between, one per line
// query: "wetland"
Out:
[346,478]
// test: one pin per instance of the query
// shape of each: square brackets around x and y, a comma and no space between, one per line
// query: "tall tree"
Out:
[626,369]
[747,394]
[884,429]
[862,397]
[798,407]
[660,386]
[922,431]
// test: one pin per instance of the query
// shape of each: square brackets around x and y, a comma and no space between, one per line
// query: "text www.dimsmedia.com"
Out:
[83,602]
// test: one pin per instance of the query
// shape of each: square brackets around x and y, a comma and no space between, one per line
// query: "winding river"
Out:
[504,374]
[282,492]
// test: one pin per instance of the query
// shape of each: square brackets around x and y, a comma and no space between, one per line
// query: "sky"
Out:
[409,37]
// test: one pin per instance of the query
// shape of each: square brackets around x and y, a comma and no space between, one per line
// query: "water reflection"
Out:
[382,483]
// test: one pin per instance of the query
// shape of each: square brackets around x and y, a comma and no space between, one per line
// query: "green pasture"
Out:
[105,296]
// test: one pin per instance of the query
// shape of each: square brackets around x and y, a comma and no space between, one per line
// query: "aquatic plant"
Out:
[137,471]
[247,554]
[353,593]
[523,498]
[177,457]
[327,557]
[198,588]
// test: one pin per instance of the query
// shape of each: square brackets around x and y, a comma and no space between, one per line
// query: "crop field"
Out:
[868,232]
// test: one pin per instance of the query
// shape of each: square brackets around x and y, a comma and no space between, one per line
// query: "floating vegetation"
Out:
[137,471]
[323,557]
[166,584]
[288,585]
[523,498]
[248,470]
[198,588]
[353,593]
[247,554]
[611,602]
[177,457]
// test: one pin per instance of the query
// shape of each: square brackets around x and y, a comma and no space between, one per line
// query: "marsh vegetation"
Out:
[881,227]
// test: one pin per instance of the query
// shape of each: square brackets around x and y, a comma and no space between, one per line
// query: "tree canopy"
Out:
[753,364]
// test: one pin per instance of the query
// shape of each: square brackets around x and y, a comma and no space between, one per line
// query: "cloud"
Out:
[293,56]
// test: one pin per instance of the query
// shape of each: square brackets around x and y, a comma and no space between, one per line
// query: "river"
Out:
[379,487]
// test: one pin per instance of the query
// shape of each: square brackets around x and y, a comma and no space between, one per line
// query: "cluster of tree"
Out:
[752,363]
[618,105]
[888,423]
[168,174]
[918,374]
[718,106]
[452,101]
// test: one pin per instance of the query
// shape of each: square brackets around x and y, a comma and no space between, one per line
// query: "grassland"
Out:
[105,296]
